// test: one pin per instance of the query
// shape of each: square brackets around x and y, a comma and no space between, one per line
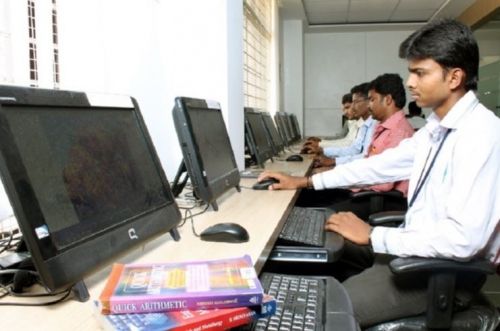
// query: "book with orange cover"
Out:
[192,285]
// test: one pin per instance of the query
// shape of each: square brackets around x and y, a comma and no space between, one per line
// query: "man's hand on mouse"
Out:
[350,227]
[286,182]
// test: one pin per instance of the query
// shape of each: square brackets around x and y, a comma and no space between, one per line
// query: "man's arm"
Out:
[392,165]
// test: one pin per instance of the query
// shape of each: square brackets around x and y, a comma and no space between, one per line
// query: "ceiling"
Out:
[352,12]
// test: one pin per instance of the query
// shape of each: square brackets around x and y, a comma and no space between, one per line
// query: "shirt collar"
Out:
[369,121]
[393,121]
[437,127]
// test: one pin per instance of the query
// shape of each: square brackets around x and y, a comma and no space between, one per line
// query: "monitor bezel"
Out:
[60,269]
[280,118]
[273,134]
[204,190]
[295,126]
[259,153]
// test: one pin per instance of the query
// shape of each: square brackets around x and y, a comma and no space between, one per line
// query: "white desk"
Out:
[262,213]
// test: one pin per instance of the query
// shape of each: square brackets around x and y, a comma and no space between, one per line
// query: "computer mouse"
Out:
[264,184]
[295,158]
[225,232]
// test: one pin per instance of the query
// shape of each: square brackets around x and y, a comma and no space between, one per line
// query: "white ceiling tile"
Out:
[411,15]
[356,11]
[380,5]
[369,16]
[419,4]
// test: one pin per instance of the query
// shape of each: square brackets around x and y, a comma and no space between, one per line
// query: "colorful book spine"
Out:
[195,285]
[215,319]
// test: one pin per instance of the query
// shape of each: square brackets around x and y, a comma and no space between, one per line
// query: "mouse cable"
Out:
[65,294]
[188,210]
[10,242]
[192,216]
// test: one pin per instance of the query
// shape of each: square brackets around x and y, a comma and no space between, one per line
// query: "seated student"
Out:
[415,116]
[350,127]
[358,149]
[387,97]
[452,164]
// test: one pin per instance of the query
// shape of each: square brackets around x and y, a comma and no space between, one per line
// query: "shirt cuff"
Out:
[378,239]
[317,181]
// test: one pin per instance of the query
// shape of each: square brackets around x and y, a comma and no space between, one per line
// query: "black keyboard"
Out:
[304,226]
[305,303]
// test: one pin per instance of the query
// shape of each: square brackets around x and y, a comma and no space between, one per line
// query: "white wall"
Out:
[336,61]
[156,50]
[292,69]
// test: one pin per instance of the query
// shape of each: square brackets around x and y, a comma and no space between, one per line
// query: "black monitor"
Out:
[83,178]
[273,134]
[295,126]
[208,156]
[256,139]
[288,124]
[282,121]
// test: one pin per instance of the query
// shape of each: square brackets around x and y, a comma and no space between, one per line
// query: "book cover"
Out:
[186,320]
[193,285]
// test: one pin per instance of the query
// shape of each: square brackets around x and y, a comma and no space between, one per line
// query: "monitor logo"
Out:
[131,233]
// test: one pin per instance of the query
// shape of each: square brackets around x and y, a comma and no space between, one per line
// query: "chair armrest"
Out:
[420,264]
[387,218]
[369,194]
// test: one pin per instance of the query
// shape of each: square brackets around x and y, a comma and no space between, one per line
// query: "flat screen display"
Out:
[83,178]
[88,170]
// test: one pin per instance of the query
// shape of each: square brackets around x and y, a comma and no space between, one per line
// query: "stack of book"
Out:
[195,295]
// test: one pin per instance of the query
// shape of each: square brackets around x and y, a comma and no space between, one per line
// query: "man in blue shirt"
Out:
[359,148]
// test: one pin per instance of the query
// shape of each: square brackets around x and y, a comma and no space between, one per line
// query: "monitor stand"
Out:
[20,260]
[178,185]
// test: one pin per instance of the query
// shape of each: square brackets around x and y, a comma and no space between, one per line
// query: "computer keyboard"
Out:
[305,303]
[304,226]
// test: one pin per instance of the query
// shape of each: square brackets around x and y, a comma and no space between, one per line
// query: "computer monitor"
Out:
[83,178]
[256,139]
[288,123]
[281,121]
[295,126]
[208,156]
[273,134]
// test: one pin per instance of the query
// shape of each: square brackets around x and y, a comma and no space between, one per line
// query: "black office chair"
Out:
[480,314]
[366,203]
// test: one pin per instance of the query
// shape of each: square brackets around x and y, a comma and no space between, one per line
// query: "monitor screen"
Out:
[295,126]
[281,120]
[273,134]
[207,151]
[287,119]
[83,178]
[256,137]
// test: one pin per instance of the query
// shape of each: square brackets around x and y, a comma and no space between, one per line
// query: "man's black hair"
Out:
[347,98]
[361,89]
[449,43]
[390,84]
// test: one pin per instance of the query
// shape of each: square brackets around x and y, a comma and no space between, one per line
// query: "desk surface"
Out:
[262,213]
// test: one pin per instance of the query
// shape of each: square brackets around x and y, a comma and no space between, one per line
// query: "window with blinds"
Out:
[55,46]
[32,44]
[257,40]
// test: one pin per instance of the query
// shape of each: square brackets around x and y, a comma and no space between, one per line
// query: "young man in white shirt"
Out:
[452,164]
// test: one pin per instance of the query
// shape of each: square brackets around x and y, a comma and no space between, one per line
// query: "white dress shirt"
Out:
[353,127]
[456,214]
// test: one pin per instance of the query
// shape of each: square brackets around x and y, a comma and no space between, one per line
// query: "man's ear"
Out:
[456,78]
[388,99]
